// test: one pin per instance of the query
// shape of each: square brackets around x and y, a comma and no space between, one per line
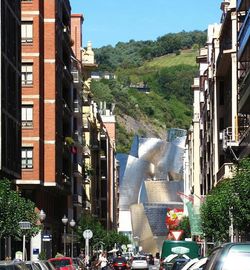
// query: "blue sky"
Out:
[107,22]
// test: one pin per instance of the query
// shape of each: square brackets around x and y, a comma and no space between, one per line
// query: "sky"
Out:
[106,22]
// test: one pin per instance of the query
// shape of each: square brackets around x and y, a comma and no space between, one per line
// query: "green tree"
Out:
[100,235]
[14,209]
[231,196]
[185,226]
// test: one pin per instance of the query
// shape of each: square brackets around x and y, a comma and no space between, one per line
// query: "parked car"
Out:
[41,265]
[189,264]
[63,263]
[13,265]
[229,256]
[139,262]
[48,264]
[178,263]
[31,265]
[199,265]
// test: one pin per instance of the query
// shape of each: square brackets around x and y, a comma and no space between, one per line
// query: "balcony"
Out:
[76,76]
[77,168]
[242,5]
[225,171]
[86,151]
[244,35]
[86,179]
[78,138]
[86,125]
[244,95]
[77,108]
[77,200]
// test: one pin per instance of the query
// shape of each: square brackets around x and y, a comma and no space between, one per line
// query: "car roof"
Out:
[199,263]
[190,263]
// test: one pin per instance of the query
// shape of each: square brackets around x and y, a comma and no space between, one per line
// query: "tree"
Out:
[100,235]
[185,226]
[229,197]
[14,209]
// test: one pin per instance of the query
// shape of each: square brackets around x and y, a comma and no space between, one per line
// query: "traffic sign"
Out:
[87,234]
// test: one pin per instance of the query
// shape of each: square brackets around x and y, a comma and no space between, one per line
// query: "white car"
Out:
[139,262]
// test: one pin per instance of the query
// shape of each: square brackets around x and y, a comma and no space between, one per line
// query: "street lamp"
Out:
[42,216]
[64,221]
[72,224]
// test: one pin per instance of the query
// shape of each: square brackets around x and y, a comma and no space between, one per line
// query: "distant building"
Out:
[141,87]
[98,75]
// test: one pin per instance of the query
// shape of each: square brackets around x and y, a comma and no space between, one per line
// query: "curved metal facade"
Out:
[150,177]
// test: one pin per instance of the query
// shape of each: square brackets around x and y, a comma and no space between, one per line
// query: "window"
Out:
[27,74]
[27,157]
[27,116]
[27,32]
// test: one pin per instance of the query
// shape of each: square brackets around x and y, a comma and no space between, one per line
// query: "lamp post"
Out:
[72,224]
[42,216]
[64,221]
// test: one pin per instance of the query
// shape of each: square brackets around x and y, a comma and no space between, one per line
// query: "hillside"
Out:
[167,104]
[149,97]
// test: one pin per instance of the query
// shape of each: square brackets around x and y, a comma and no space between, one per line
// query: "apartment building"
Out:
[100,197]
[51,117]
[10,98]
[10,86]
[224,99]
[76,59]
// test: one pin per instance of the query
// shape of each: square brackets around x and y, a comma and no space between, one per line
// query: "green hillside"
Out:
[168,100]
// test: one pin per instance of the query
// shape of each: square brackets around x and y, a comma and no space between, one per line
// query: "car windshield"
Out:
[237,260]
[61,263]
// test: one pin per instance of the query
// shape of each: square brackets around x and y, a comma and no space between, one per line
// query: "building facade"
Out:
[51,164]
[10,98]
[223,90]
[10,86]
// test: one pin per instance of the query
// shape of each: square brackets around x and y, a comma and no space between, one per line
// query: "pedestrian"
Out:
[81,258]
[103,261]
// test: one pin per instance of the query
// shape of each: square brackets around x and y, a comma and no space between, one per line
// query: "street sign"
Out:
[47,238]
[87,234]
[24,225]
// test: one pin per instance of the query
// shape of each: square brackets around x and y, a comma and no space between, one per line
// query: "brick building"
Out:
[48,130]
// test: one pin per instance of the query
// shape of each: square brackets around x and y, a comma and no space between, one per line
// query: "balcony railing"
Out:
[77,107]
[225,171]
[77,199]
[27,124]
[244,34]
[77,169]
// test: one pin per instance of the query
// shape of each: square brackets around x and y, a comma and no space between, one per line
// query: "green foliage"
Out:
[108,238]
[165,68]
[185,226]
[135,53]
[124,139]
[14,209]
[42,255]
[230,195]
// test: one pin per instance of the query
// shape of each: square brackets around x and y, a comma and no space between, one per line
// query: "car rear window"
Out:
[60,263]
[238,257]
[139,258]
[6,267]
